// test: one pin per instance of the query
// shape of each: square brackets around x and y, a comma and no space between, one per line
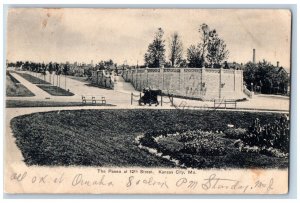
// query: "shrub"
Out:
[200,142]
[275,135]
[235,133]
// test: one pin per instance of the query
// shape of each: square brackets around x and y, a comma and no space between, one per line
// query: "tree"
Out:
[265,78]
[213,48]
[66,68]
[250,74]
[194,57]
[105,64]
[155,56]
[19,64]
[50,70]
[43,70]
[216,50]
[58,73]
[204,32]
[176,50]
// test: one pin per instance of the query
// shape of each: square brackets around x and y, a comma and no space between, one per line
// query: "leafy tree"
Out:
[50,70]
[105,64]
[194,57]
[66,68]
[265,78]
[213,48]
[250,74]
[26,65]
[43,70]
[19,64]
[216,50]
[155,56]
[176,50]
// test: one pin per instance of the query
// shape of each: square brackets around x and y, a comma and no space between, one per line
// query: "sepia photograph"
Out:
[147,101]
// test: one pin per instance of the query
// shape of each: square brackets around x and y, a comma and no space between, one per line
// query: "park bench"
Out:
[93,99]
[228,103]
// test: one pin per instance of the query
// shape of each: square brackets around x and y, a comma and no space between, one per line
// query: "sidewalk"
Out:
[39,93]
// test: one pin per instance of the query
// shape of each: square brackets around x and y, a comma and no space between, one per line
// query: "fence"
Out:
[135,96]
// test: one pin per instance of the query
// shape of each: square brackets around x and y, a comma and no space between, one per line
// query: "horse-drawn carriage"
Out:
[149,97]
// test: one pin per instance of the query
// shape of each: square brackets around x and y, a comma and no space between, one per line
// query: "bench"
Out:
[226,102]
[93,99]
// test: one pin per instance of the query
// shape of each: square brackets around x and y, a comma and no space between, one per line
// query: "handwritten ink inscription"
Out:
[40,179]
[131,180]
[216,183]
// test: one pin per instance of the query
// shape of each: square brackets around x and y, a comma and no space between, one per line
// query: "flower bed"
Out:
[192,148]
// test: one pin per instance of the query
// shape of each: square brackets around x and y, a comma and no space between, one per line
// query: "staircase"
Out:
[121,86]
[247,92]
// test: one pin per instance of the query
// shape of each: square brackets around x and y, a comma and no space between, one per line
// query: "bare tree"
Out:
[176,50]
[204,32]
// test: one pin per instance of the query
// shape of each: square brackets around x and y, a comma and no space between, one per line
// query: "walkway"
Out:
[39,93]
[77,87]
[122,86]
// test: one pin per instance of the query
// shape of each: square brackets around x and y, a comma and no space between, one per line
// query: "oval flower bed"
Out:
[192,148]
[199,148]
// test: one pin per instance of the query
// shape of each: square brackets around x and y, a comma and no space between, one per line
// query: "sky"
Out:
[82,35]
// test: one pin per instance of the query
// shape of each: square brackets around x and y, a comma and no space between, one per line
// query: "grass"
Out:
[32,79]
[55,91]
[15,89]
[81,79]
[107,137]
[26,103]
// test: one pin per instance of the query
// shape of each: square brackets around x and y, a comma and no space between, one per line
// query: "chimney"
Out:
[277,64]
[253,56]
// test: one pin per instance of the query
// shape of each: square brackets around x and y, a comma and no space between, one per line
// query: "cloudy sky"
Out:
[83,35]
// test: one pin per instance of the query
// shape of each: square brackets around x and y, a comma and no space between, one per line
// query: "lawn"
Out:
[32,79]
[26,103]
[108,137]
[81,79]
[15,89]
[55,91]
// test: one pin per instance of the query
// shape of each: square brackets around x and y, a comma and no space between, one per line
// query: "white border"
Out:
[154,3]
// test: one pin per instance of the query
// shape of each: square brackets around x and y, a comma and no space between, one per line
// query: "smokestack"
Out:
[277,64]
[253,56]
